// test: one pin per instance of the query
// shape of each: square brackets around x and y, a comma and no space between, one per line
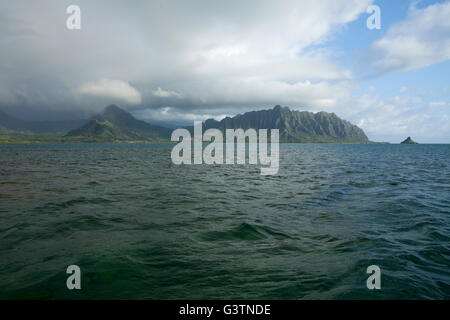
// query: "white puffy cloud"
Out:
[420,40]
[165,93]
[111,90]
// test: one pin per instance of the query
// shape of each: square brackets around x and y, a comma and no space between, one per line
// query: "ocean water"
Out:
[140,227]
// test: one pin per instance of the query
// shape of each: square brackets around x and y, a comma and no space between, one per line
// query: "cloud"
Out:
[250,91]
[422,39]
[111,90]
[437,105]
[395,118]
[175,117]
[174,53]
[165,93]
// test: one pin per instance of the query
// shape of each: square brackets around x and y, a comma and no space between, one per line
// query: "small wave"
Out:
[245,231]
[74,202]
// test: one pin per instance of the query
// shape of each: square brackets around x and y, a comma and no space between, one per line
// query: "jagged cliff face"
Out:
[295,126]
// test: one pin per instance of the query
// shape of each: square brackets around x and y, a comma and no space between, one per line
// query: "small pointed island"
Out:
[408,141]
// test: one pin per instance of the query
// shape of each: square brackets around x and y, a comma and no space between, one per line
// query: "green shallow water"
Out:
[140,227]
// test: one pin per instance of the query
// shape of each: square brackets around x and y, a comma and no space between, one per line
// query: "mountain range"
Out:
[294,126]
[116,124]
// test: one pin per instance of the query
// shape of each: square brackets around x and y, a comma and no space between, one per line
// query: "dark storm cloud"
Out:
[171,58]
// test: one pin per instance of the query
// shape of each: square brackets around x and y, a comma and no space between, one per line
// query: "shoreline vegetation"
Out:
[63,139]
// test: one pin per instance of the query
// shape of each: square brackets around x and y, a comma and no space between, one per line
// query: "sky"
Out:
[173,62]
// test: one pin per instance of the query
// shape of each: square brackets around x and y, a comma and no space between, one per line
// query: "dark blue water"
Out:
[140,227]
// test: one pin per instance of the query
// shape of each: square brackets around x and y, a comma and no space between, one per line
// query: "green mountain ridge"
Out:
[117,124]
[294,126]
